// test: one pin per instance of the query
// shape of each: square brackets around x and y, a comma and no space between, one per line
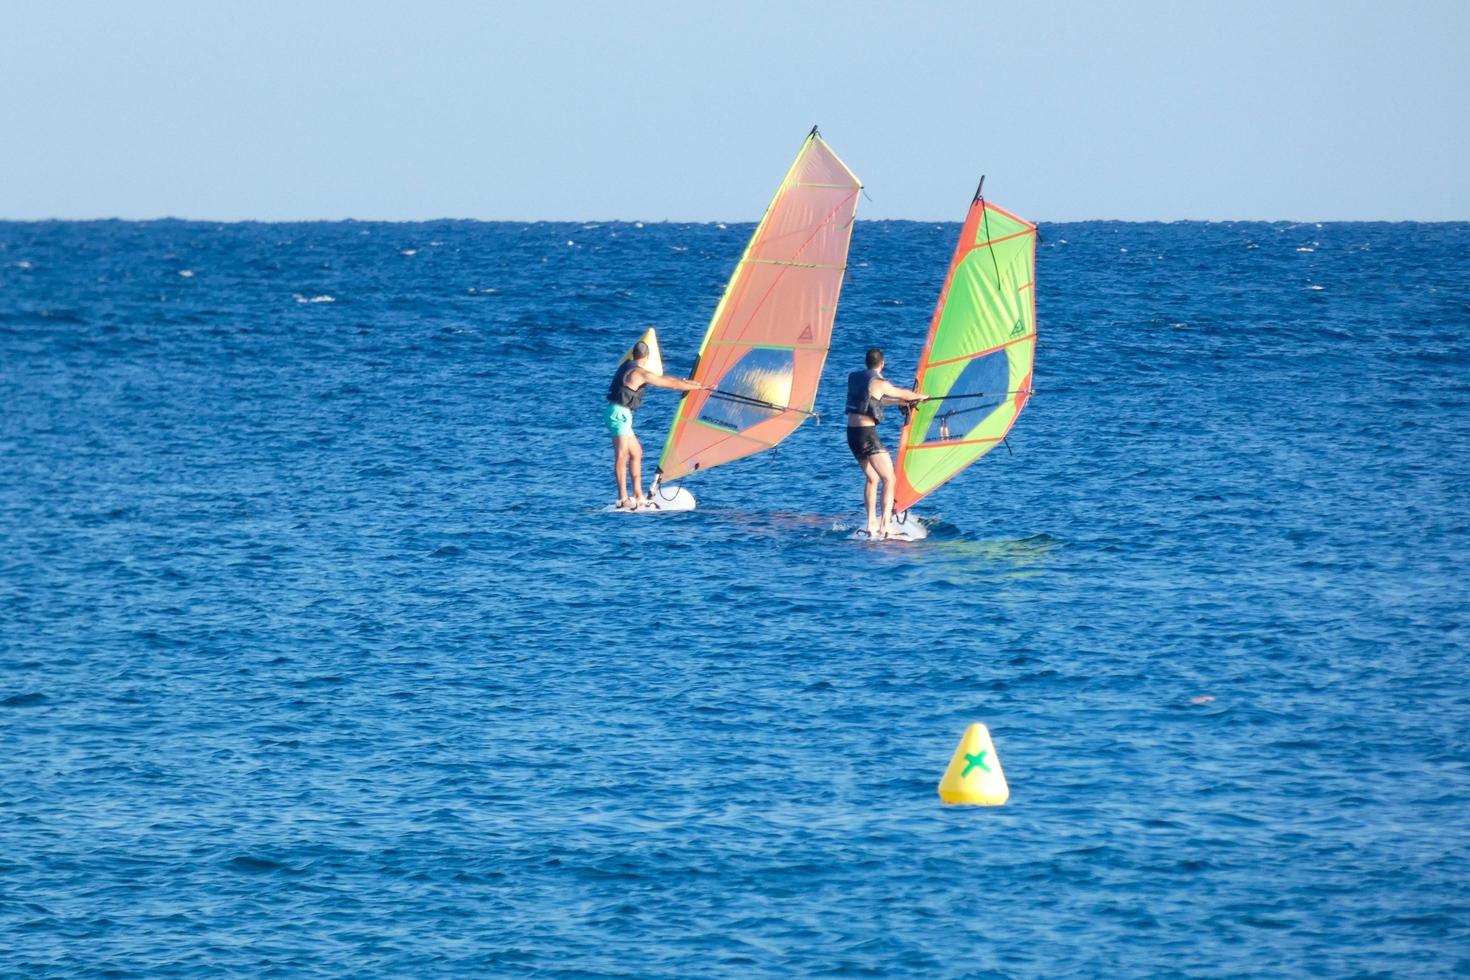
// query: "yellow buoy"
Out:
[655,359]
[974,774]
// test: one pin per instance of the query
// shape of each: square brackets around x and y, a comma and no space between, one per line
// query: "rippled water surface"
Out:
[316,656]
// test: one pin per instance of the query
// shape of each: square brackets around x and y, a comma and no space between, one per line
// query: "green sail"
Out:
[977,362]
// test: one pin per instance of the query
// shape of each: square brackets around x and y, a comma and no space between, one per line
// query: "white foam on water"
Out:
[314,299]
[187,273]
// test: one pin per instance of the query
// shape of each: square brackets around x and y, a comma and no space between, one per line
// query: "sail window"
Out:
[756,388]
[977,392]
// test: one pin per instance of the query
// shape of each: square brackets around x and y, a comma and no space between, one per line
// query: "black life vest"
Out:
[859,399]
[619,393]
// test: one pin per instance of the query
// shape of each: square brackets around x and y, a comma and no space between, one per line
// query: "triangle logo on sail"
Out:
[805,337]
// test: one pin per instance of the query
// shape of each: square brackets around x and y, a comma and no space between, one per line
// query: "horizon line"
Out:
[704,221]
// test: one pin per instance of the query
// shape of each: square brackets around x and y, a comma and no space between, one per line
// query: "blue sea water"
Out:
[317,657]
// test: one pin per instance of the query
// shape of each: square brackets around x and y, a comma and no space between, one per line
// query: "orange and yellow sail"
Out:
[766,344]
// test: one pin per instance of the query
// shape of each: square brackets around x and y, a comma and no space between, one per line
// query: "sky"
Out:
[692,110]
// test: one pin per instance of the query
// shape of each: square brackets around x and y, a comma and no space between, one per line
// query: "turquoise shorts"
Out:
[619,419]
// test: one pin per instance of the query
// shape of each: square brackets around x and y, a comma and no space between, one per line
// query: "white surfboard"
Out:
[661,500]
[907,526]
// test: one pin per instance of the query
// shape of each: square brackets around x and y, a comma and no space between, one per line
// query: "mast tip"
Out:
[813,132]
[980,189]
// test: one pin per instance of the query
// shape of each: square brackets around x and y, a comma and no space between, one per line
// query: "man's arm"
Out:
[887,390]
[664,381]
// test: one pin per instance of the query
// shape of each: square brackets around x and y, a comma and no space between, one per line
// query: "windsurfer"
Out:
[867,391]
[624,396]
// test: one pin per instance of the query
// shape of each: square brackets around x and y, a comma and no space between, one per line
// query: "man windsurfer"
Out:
[866,392]
[624,396]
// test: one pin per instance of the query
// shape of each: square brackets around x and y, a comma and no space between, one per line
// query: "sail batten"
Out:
[795,265]
[976,367]
[768,339]
[978,353]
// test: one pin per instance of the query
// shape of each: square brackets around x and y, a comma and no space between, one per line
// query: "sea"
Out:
[319,656]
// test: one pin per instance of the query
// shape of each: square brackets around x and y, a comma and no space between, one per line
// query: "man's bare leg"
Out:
[620,471]
[883,464]
[636,461]
[870,495]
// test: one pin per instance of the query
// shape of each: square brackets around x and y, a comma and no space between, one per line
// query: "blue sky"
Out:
[1292,109]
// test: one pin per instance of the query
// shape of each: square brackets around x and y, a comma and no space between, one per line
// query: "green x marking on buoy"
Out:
[978,759]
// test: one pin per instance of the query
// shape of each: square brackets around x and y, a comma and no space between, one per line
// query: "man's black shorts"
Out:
[863,441]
